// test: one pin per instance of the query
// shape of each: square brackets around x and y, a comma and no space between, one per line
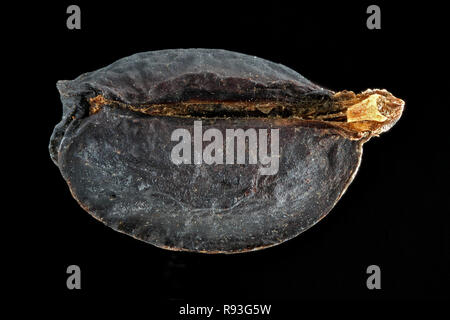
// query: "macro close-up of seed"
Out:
[209,150]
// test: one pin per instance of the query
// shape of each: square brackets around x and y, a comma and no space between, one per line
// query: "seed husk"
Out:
[113,147]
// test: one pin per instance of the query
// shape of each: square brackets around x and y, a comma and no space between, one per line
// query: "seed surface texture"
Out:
[209,150]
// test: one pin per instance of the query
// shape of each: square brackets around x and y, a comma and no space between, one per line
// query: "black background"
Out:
[395,214]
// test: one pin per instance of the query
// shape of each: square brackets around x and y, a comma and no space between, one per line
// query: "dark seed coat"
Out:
[117,162]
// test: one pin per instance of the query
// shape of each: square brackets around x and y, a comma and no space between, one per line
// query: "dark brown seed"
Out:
[113,147]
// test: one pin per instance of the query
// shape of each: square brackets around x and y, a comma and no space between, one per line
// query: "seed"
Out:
[210,150]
